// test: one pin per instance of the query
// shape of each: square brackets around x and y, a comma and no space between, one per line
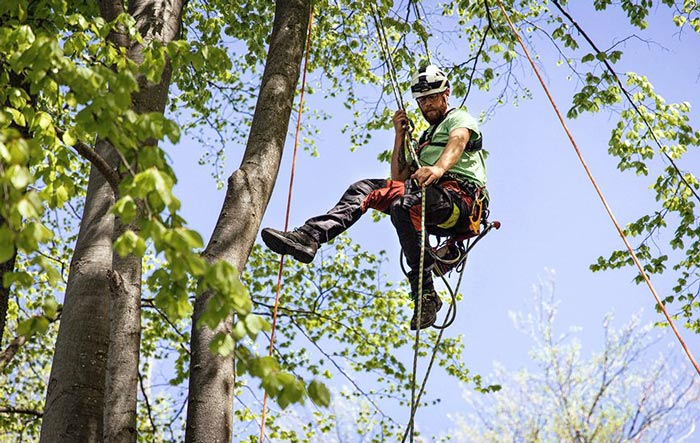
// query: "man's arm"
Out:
[400,167]
[459,137]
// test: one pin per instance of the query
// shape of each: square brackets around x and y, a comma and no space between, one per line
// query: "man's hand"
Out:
[428,174]
[400,122]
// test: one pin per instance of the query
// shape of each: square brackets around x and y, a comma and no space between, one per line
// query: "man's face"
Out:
[434,106]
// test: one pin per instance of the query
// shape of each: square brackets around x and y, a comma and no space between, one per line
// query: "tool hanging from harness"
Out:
[451,252]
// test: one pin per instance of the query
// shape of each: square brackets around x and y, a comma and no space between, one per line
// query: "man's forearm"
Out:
[400,167]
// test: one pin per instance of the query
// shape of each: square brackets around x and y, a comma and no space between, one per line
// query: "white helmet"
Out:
[428,80]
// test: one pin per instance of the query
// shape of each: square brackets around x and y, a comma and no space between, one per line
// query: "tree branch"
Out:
[13,410]
[340,369]
[481,49]
[150,303]
[88,153]
[11,350]
[628,96]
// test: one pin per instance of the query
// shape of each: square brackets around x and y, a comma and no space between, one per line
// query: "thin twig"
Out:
[148,404]
[481,48]
[342,372]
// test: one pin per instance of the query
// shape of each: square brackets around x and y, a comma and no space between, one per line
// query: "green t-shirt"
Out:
[471,164]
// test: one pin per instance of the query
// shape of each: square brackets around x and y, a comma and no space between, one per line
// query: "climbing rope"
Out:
[423,36]
[419,310]
[408,143]
[386,54]
[289,204]
[642,272]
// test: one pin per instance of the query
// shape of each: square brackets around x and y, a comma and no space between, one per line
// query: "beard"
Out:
[433,116]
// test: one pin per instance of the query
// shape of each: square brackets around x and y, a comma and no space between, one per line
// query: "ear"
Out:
[447,93]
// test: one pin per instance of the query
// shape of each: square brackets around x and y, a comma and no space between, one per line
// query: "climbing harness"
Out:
[427,139]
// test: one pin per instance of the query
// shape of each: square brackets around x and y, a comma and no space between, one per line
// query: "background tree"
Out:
[621,393]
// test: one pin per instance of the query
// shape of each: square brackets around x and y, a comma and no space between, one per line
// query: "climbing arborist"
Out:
[451,167]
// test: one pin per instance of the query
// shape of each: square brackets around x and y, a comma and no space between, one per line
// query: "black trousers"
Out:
[402,202]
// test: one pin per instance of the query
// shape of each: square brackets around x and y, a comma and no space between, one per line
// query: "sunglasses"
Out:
[428,98]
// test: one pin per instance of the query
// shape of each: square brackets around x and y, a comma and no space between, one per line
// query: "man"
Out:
[451,167]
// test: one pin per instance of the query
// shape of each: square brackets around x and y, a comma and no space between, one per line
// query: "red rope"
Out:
[286,218]
[602,197]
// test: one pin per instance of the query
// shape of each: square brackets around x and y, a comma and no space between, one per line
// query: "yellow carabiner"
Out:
[475,216]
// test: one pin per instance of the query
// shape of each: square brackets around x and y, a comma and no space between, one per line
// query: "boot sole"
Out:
[282,245]
[430,321]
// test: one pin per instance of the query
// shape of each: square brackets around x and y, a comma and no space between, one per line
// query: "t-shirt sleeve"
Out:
[460,118]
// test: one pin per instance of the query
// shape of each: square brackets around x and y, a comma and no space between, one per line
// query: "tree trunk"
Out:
[5,267]
[16,81]
[156,21]
[209,411]
[75,395]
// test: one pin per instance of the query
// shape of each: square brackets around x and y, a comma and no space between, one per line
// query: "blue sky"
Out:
[551,217]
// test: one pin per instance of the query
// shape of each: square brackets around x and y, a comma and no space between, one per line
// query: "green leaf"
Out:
[43,120]
[27,209]
[19,176]
[32,235]
[128,243]
[222,344]
[7,247]
[239,331]
[292,391]
[264,366]
[69,138]
[157,186]
[125,208]
[50,307]
[254,324]
[184,239]
[319,393]
[34,325]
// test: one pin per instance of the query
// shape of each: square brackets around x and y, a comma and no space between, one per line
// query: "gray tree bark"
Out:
[121,382]
[75,395]
[209,411]
[74,406]
[157,20]
[76,410]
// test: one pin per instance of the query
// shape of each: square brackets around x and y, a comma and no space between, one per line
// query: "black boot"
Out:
[430,306]
[298,244]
